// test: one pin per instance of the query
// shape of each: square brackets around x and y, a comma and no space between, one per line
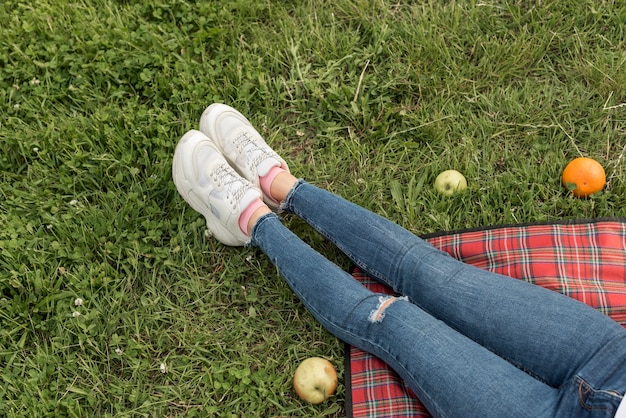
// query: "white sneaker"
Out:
[241,144]
[212,187]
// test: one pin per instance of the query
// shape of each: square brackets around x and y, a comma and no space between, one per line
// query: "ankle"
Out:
[248,213]
[260,211]
[282,185]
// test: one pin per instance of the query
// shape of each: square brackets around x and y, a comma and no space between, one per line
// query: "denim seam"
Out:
[287,206]
[458,328]
[372,271]
[406,251]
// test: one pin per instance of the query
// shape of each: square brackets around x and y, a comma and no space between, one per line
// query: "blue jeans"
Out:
[467,341]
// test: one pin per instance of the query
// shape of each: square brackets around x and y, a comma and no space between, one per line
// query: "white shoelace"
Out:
[257,152]
[235,187]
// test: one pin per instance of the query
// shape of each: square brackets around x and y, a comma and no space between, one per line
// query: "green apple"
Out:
[450,181]
[315,380]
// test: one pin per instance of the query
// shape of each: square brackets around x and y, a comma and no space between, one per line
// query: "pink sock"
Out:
[247,214]
[266,181]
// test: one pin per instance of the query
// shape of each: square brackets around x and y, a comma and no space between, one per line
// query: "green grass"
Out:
[368,98]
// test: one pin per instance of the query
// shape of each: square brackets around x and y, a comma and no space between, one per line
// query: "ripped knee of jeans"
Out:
[378,314]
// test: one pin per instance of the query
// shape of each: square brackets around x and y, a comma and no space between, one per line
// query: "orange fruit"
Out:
[584,176]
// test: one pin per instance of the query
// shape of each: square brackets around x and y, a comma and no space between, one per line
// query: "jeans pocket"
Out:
[597,402]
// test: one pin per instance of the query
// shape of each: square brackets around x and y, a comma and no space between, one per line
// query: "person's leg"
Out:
[544,333]
[433,358]
[451,374]
[541,331]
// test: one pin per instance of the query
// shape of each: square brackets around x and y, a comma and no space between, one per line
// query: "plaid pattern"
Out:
[585,260]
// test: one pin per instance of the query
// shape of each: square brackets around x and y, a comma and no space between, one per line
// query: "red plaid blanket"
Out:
[585,260]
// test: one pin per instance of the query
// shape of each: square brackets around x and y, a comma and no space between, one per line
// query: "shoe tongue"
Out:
[266,165]
[249,196]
